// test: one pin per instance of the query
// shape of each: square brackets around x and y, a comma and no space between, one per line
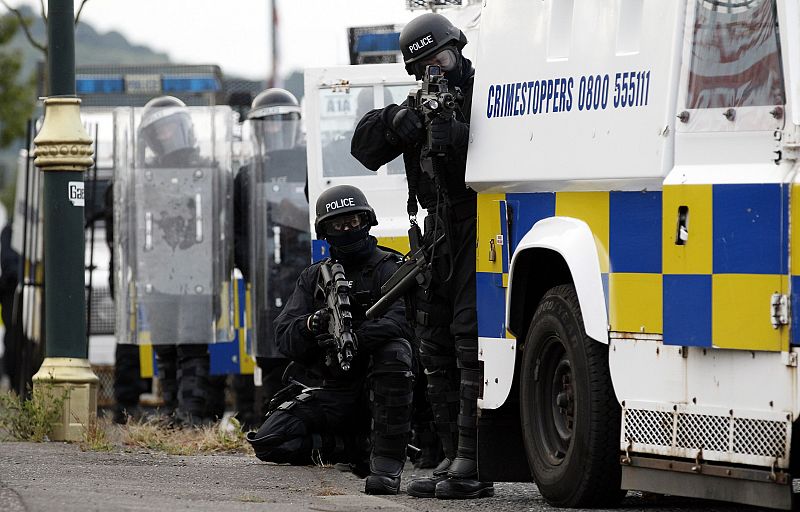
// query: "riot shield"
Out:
[173,256]
[279,242]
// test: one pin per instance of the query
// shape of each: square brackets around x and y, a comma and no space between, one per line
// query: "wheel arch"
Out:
[556,250]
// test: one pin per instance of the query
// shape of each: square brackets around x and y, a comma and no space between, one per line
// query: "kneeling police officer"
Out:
[330,420]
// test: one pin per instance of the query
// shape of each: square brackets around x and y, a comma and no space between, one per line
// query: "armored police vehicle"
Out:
[636,163]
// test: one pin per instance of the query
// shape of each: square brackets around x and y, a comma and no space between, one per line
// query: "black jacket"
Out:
[375,143]
[287,165]
[296,342]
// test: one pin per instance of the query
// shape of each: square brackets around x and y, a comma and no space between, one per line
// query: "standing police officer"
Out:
[446,317]
[272,243]
[178,321]
[327,421]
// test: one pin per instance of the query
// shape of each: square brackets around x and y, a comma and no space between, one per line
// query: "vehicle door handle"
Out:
[682,233]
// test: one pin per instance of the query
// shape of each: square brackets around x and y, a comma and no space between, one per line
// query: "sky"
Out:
[235,34]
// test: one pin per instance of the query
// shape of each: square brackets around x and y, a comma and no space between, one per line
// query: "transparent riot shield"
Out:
[172,195]
[279,243]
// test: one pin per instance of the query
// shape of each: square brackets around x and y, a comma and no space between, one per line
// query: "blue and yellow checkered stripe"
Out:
[233,357]
[226,357]
[713,291]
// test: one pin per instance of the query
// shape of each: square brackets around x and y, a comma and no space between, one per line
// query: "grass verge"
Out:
[217,438]
[30,419]
[96,436]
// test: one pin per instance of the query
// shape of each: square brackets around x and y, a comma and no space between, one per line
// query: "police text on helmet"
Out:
[340,203]
[422,43]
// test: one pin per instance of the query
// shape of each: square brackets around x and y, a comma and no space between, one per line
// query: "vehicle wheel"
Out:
[570,415]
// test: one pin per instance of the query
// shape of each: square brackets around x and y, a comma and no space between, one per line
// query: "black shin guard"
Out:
[391,414]
[443,395]
[167,379]
[192,386]
[468,414]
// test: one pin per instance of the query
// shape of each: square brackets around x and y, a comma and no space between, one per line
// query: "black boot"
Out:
[426,487]
[384,476]
[462,482]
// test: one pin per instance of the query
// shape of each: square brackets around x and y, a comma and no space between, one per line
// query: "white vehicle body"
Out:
[668,201]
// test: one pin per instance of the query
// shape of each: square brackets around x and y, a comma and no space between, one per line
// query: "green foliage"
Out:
[95,436]
[16,98]
[8,195]
[31,419]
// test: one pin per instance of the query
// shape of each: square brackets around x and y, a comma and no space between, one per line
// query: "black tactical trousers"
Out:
[447,328]
[183,373]
[331,423]
[128,384]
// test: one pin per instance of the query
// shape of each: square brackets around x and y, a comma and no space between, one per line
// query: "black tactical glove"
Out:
[407,125]
[448,132]
[317,323]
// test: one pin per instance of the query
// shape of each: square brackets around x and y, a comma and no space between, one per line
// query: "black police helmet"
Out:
[272,102]
[342,200]
[427,34]
[166,126]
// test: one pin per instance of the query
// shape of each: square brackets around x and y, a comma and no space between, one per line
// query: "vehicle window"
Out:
[341,109]
[735,60]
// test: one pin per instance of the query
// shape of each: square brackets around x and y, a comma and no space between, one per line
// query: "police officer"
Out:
[167,131]
[446,315]
[321,422]
[269,199]
[128,384]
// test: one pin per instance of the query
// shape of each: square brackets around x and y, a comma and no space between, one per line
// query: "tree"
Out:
[16,98]
[25,23]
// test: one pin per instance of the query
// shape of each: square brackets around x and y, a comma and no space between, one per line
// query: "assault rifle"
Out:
[433,100]
[415,271]
[336,287]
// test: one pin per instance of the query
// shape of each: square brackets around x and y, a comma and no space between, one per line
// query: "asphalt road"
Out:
[58,476]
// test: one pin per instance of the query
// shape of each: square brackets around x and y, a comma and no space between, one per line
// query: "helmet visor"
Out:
[275,132]
[343,223]
[169,134]
[446,59]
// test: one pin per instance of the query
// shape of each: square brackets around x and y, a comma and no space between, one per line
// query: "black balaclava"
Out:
[459,76]
[352,247]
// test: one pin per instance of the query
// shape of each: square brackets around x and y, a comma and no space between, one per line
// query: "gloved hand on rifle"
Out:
[448,132]
[407,125]
[317,323]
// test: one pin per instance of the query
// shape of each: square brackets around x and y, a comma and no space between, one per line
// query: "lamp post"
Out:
[63,152]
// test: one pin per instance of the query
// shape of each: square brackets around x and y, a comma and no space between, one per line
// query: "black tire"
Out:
[570,415]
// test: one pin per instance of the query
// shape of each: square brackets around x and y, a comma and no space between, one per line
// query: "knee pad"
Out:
[282,438]
[392,357]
